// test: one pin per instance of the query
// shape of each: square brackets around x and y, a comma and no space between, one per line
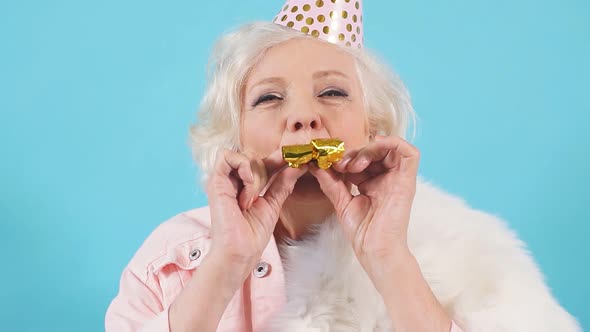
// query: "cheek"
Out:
[351,127]
[258,134]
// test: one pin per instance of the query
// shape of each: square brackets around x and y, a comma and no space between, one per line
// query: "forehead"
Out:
[302,57]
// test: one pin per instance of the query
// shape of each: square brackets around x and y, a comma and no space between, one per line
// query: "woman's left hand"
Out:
[376,221]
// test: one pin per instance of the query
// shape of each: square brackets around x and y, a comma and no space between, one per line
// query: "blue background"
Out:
[97,97]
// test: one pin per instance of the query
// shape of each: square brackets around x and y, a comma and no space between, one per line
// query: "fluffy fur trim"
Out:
[478,269]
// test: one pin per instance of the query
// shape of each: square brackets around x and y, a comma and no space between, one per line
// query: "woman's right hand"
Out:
[241,221]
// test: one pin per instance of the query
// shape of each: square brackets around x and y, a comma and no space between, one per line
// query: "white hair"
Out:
[386,99]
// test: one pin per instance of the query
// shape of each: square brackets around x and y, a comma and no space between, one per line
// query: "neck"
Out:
[297,215]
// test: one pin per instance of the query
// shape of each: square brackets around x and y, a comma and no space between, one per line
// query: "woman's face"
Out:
[300,90]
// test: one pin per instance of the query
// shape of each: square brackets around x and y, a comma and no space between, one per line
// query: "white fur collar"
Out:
[480,272]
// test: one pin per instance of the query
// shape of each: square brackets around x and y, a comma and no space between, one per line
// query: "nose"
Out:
[304,119]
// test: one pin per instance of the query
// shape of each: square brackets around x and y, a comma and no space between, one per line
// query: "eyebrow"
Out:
[276,80]
[325,73]
[315,76]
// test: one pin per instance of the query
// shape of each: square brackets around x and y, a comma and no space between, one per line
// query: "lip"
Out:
[303,138]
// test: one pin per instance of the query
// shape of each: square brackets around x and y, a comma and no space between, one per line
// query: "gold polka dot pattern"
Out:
[336,21]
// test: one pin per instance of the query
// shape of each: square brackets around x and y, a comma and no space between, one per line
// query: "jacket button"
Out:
[262,270]
[195,254]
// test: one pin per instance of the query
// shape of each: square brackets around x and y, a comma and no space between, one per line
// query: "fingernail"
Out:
[357,163]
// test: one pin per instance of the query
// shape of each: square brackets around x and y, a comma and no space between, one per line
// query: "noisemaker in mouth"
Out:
[324,151]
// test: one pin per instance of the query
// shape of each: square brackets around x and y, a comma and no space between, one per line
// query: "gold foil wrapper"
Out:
[324,151]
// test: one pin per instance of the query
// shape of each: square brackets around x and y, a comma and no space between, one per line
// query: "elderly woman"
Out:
[364,245]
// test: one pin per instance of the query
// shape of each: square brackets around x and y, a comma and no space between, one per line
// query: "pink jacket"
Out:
[165,263]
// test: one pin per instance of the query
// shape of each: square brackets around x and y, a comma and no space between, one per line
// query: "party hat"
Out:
[337,21]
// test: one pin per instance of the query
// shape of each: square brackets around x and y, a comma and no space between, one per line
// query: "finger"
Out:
[230,174]
[262,169]
[358,178]
[390,152]
[252,192]
[373,152]
[340,166]
[228,161]
[379,137]
[372,170]
[271,180]
[274,162]
[279,189]
[332,185]
[274,165]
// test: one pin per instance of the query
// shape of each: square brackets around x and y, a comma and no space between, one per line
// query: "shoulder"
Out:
[473,262]
[181,240]
[440,215]
[463,245]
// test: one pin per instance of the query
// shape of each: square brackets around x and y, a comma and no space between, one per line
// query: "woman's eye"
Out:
[333,93]
[267,98]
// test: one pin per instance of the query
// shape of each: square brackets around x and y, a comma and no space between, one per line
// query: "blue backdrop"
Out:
[97,97]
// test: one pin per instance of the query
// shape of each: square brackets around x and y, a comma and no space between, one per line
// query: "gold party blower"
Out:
[324,151]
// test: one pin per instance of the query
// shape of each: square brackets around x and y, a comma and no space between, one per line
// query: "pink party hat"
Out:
[337,21]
